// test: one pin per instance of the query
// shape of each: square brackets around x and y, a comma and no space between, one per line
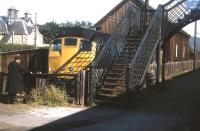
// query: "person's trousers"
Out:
[12,98]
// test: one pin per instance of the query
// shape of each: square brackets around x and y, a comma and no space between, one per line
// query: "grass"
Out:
[49,96]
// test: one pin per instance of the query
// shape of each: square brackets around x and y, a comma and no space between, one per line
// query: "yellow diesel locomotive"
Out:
[71,52]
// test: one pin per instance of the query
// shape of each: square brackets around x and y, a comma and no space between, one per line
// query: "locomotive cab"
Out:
[72,54]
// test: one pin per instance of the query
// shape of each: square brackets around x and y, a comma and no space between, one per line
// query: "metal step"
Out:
[129,52]
[114,84]
[130,48]
[116,74]
[121,65]
[113,89]
[106,95]
[132,44]
[111,99]
[126,56]
[121,60]
[118,69]
[118,79]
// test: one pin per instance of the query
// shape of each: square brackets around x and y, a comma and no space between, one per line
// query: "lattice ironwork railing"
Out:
[145,52]
[116,42]
[176,16]
[168,20]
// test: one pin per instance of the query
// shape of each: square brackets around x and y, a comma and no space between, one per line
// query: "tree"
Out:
[49,29]
[77,24]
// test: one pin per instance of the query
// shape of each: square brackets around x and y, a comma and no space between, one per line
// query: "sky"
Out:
[70,10]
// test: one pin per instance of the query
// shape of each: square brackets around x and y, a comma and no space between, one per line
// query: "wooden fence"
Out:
[35,60]
[174,69]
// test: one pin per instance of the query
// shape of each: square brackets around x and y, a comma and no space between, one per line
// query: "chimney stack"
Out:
[26,16]
[12,15]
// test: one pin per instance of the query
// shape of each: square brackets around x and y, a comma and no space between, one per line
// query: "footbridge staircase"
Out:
[122,64]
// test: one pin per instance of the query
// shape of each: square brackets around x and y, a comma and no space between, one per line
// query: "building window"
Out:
[176,50]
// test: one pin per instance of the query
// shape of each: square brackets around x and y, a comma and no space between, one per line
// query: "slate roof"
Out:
[19,27]
[3,25]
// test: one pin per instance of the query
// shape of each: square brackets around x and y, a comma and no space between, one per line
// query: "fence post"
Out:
[128,77]
[163,63]
[81,88]
[158,69]
[78,89]
[91,86]
[38,81]
[4,84]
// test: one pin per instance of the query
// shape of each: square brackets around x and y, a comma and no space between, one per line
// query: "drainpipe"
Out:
[195,36]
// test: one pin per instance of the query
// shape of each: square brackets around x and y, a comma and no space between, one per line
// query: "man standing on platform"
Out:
[15,78]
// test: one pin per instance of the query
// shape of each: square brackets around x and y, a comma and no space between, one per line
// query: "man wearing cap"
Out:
[15,78]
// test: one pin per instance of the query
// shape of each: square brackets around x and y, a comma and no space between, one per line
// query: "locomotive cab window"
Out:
[86,45]
[70,42]
[56,45]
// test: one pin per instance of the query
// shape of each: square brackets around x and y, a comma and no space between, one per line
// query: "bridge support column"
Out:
[158,62]
[164,59]
[91,86]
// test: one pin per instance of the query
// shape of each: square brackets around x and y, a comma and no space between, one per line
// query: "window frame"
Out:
[73,45]
[59,45]
[88,46]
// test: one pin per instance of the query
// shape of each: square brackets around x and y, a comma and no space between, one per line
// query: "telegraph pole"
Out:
[146,16]
[195,37]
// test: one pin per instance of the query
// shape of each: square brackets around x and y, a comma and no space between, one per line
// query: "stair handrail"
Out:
[116,41]
[174,11]
[172,4]
[153,28]
[134,22]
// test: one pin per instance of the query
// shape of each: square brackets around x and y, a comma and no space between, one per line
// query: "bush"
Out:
[50,96]
[14,47]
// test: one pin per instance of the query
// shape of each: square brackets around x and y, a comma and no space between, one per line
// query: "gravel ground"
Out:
[173,107]
[21,117]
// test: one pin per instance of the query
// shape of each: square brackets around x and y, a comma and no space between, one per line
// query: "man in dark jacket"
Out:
[15,78]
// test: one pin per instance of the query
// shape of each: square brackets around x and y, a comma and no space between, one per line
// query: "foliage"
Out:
[14,47]
[50,96]
[48,30]
[77,24]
